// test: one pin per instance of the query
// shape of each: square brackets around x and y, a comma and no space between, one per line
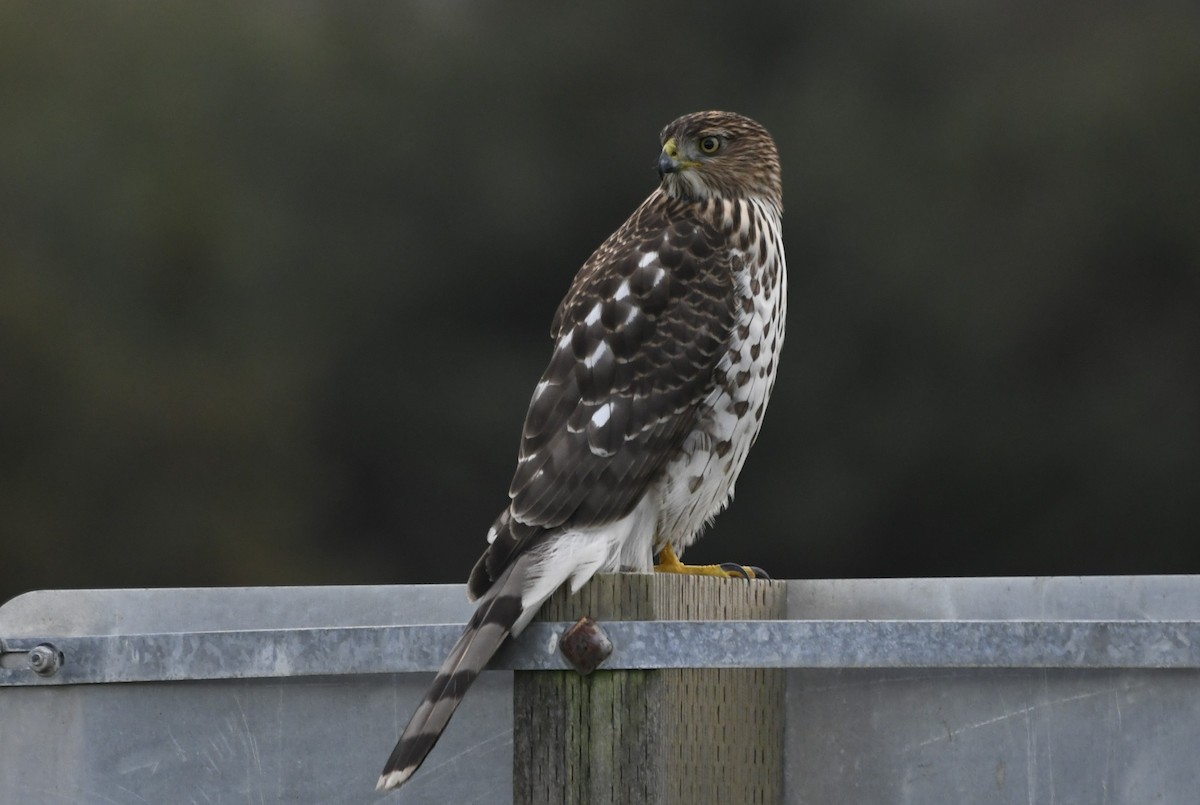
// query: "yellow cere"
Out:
[671,149]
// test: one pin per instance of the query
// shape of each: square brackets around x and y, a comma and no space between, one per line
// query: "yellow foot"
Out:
[668,562]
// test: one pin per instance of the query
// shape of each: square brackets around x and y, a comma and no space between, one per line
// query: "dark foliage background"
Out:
[276,279]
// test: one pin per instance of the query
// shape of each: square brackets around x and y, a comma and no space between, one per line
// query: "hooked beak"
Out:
[667,164]
[668,160]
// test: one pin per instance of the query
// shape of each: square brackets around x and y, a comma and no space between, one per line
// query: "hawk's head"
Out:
[719,154]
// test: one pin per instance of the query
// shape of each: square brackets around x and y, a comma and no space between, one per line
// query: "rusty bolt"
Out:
[585,645]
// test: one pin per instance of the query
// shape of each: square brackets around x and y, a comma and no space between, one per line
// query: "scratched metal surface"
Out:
[994,736]
[303,741]
[1019,736]
[863,736]
[316,740]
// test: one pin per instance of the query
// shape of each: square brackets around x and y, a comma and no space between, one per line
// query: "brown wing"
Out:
[638,339]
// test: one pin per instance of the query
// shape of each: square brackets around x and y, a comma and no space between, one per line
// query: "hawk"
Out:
[666,348]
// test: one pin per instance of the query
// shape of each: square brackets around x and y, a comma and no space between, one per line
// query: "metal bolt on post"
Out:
[45,659]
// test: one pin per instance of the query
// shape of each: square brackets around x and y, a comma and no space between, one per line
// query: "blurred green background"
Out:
[276,279]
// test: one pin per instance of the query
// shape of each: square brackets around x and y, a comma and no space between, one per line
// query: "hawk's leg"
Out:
[668,562]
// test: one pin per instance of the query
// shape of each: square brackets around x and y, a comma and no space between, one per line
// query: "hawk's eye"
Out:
[710,144]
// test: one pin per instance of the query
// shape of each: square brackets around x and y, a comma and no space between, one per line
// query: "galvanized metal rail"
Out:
[276,653]
[996,690]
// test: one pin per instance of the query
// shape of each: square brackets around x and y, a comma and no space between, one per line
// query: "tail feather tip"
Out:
[393,779]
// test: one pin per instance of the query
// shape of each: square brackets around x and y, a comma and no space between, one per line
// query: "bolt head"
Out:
[586,646]
[45,660]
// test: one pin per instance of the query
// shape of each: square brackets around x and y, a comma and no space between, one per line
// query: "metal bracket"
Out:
[275,653]
[44,659]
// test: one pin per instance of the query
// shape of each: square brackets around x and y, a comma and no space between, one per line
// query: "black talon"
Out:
[734,567]
[759,573]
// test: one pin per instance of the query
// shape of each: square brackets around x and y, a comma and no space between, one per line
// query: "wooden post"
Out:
[677,736]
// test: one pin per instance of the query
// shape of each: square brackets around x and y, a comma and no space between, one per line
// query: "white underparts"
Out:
[700,482]
[576,555]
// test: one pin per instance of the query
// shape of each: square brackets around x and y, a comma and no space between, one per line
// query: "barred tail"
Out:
[494,618]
